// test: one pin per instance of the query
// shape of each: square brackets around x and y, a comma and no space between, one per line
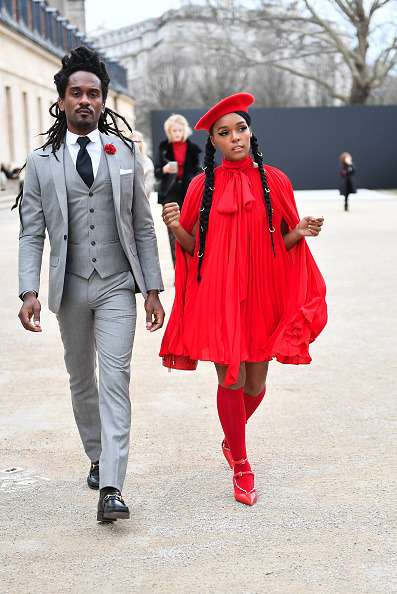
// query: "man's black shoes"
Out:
[93,476]
[111,506]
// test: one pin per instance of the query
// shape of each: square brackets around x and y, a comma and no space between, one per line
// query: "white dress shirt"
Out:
[94,148]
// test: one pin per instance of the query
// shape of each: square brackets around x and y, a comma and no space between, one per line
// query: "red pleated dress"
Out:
[249,306]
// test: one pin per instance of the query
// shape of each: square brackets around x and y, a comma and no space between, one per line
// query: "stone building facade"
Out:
[33,38]
[138,46]
[72,10]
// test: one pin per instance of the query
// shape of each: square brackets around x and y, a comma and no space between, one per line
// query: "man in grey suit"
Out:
[87,190]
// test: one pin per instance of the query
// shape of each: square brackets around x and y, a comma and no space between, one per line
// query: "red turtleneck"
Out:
[179,149]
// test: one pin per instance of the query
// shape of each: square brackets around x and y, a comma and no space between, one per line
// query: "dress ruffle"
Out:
[250,306]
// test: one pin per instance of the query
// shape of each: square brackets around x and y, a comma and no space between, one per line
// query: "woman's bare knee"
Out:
[221,371]
[256,374]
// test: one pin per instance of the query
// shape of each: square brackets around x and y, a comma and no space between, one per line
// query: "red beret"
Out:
[238,102]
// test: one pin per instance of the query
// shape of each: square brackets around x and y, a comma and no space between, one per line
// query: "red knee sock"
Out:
[232,415]
[252,403]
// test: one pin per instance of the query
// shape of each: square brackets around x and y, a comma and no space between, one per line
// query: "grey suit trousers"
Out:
[97,320]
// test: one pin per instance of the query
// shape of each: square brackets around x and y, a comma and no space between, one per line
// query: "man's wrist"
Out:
[23,295]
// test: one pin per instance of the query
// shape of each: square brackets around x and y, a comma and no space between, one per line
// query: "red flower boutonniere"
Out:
[110,149]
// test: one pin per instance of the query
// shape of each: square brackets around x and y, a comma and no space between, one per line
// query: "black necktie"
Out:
[83,162]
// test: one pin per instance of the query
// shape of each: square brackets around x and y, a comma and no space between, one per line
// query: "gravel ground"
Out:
[321,445]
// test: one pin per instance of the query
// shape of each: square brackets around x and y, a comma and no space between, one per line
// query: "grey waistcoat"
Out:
[93,240]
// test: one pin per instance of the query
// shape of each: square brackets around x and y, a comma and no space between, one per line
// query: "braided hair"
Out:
[209,163]
[81,58]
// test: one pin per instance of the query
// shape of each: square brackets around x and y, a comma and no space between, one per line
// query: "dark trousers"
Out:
[174,195]
[171,237]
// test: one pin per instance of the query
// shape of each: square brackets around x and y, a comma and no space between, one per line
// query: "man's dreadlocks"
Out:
[85,59]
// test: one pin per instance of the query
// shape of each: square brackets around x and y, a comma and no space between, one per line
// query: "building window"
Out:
[26,121]
[55,31]
[10,125]
[8,5]
[43,23]
[39,115]
[30,15]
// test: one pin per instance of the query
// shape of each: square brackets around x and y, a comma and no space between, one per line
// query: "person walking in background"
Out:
[148,167]
[10,172]
[177,163]
[86,190]
[247,288]
[347,177]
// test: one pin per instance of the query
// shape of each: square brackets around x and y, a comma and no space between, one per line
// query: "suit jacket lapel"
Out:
[114,171]
[58,174]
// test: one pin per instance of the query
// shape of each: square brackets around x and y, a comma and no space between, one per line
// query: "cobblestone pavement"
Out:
[322,445]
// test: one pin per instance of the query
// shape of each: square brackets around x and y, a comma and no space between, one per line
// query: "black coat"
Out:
[167,181]
[347,179]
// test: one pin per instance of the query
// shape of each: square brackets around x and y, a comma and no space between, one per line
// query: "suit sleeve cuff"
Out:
[22,295]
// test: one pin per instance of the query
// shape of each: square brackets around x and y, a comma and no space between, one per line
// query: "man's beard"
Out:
[85,123]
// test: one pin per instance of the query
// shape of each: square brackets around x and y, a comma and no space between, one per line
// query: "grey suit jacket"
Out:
[44,207]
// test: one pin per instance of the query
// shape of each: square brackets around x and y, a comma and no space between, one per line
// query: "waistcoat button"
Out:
[90,194]
[93,242]
[91,210]
[65,237]
[94,259]
[92,226]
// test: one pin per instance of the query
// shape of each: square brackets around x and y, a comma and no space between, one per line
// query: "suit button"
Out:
[65,237]
[92,226]
[90,193]
[93,242]
[91,210]
[94,259]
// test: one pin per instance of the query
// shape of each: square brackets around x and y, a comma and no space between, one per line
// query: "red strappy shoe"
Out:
[227,453]
[240,494]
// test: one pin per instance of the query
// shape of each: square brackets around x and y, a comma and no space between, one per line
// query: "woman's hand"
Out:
[171,215]
[307,227]
[310,226]
[168,169]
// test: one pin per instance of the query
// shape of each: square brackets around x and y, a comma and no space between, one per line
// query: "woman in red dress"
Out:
[247,288]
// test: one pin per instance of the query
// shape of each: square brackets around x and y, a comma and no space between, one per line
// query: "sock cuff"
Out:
[260,394]
[227,392]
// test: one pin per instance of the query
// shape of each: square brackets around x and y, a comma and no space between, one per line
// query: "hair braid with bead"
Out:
[209,163]
[266,192]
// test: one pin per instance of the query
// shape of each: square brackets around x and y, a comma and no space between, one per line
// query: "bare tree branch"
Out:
[306,31]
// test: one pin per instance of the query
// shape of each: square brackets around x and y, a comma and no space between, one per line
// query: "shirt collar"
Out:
[71,137]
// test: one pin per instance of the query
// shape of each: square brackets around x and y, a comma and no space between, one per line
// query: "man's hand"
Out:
[31,307]
[154,312]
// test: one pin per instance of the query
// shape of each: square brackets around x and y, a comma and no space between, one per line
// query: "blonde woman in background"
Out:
[177,163]
[148,167]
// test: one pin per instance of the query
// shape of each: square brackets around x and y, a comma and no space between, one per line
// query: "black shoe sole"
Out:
[93,486]
[112,516]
